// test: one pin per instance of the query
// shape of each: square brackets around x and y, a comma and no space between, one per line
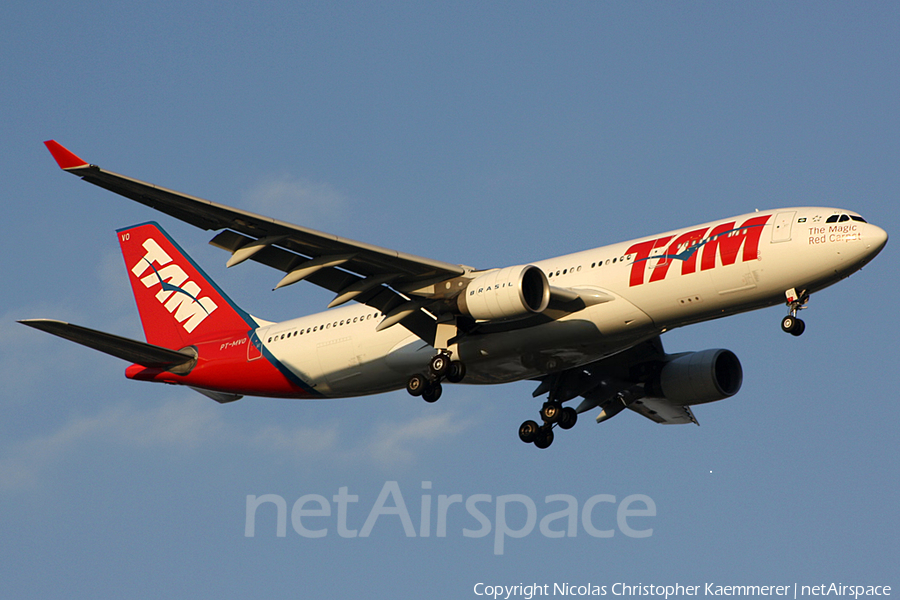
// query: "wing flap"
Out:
[661,411]
[336,280]
[142,353]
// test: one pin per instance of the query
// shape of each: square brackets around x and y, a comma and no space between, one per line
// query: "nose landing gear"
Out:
[795,302]
[792,325]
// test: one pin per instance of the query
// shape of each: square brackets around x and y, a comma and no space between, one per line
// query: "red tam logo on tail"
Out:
[177,302]
[178,295]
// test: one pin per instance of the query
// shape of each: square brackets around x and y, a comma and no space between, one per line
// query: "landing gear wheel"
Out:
[432,392]
[550,412]
[529,431]
[439,365]
[456,372]
[567,418]
[416,385]
[793,325]
[787,324]
[544,438]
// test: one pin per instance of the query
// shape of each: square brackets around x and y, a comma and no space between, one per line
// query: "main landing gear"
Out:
[796,302]
[440,367]
[552,413]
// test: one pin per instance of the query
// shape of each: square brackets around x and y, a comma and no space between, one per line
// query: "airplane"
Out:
[585,325]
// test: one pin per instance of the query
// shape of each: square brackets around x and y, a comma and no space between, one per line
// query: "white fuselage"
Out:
[635,290]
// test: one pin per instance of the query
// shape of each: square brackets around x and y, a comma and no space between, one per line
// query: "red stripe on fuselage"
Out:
[229,364]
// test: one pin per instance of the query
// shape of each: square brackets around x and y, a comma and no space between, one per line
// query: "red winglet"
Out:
[64,158]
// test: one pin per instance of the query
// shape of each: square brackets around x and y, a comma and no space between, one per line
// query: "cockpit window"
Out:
[842,218]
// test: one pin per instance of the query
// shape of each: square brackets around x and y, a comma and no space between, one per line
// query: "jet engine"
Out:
[510,293]
[698,377]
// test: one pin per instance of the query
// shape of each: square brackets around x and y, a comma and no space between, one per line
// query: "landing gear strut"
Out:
[795,302]
[440,367]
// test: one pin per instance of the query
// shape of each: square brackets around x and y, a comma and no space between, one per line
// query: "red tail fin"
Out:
[177,302]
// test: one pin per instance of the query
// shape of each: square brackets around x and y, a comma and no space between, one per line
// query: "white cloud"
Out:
[392,442]
[176,425]
[296,200]
[296,442]
[187,425]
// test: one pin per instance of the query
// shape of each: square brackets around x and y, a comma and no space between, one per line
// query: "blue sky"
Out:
[487,134]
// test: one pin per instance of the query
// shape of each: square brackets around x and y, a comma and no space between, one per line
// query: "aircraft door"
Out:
[781,229]
[254,350]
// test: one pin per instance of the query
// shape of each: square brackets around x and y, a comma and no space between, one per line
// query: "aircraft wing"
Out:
[617,382]
[302,253]
[147,355]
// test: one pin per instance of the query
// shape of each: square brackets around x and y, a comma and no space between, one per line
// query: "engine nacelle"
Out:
[510,293]
[698,377]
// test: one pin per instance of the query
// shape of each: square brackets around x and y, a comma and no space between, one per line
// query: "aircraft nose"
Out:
[876,238]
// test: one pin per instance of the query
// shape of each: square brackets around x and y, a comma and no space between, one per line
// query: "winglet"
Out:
[64,158]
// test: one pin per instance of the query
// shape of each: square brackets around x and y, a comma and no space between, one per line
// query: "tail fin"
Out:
[177,302]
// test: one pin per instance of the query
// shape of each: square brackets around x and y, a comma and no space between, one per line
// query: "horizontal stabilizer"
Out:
[141,353]
[220,397]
